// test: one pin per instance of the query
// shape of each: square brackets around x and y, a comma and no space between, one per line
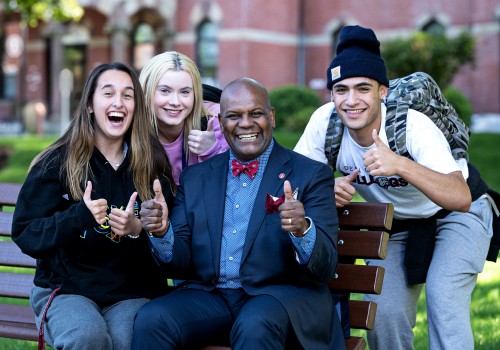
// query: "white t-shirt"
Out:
[424,141]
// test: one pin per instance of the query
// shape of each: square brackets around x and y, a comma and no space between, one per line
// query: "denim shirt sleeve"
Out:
[304,245]
[163,247]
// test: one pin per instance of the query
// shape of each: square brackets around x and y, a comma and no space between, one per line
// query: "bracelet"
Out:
[134,236]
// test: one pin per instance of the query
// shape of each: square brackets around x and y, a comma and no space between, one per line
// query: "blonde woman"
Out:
[174,100]
[77,213]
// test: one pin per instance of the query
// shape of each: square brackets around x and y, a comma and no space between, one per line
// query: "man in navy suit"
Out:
[253,236]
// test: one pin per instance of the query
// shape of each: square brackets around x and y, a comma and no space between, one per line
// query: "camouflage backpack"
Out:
[417,91]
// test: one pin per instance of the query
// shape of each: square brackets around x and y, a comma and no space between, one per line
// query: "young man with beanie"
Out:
[429,192]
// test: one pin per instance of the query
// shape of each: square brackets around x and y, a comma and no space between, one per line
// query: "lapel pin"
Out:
[282,176]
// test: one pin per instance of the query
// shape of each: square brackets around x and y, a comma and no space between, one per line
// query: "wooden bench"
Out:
[362,235]
[16,321]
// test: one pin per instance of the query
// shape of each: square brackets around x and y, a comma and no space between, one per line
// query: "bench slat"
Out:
[366,215]
[355,343]
[17,322]
[9,193]
[358,279]
[16,285]
[363,244]
[6,223]
[362,314]
[11,255]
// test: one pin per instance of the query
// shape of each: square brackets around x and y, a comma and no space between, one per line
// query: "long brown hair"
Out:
[147,156]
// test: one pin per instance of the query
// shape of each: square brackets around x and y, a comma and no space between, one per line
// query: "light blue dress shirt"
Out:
[240,197]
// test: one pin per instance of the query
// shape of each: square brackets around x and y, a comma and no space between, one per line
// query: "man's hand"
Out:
[293,217]
[201,141]
[97,207]
[343,189]
[381,161]
[154,212]
[125,222]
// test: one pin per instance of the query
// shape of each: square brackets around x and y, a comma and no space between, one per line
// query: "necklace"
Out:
[117,164]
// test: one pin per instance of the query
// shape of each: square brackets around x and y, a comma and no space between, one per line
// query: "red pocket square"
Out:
[273,203]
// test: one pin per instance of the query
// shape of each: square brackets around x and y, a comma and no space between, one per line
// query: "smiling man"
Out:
[440,237]
[255,255]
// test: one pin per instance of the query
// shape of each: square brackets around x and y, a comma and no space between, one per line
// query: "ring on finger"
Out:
[289,221]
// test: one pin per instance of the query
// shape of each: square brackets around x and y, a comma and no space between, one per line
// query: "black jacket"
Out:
[422,232]
[73,251]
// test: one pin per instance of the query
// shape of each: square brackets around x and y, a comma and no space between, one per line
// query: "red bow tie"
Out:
[250,169]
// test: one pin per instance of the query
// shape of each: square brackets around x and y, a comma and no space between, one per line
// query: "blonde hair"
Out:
[150,77]
[147,157]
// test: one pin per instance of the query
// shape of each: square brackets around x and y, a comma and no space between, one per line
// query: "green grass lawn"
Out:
[485,309]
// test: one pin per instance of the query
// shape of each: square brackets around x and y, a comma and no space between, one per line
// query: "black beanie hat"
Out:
[358,55]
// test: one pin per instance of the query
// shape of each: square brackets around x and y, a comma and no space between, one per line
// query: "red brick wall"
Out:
[260,38]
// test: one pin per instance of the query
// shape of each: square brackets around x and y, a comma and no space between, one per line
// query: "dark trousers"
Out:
[190,319]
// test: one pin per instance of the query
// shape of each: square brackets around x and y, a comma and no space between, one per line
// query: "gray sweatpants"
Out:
[462,243]
[76,322]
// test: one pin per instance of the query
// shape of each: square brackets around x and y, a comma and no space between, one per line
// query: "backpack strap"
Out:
[204,123]
[333,138]
[395,127]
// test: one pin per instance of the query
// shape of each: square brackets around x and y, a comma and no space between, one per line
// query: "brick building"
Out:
[275,41]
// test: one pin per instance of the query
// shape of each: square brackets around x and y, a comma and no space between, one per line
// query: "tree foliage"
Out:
[34,11]
[437,55]
[461,104]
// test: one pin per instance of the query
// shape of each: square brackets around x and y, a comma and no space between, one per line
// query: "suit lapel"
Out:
[215,183]
[277,170]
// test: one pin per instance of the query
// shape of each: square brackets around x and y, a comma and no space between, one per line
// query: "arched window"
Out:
[433,27]
[335,40]
[75,43]
[207,51]
[144,45]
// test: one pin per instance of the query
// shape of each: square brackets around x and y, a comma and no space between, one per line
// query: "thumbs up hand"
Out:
[125,222]
[97,207]
[381,161]
[199,141]
[154,212]
[343,189]
[293,216]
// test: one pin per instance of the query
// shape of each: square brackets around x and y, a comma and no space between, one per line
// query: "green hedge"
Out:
[293,102]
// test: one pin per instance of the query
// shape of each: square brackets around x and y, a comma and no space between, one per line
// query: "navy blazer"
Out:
[268,264]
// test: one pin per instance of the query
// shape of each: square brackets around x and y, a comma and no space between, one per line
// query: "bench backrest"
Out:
[18,283]
[362,235]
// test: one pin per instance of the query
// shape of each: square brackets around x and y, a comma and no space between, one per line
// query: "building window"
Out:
[75,60]
[144,45]
[207,51]
[335,40]
[433,27]
[9,85]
